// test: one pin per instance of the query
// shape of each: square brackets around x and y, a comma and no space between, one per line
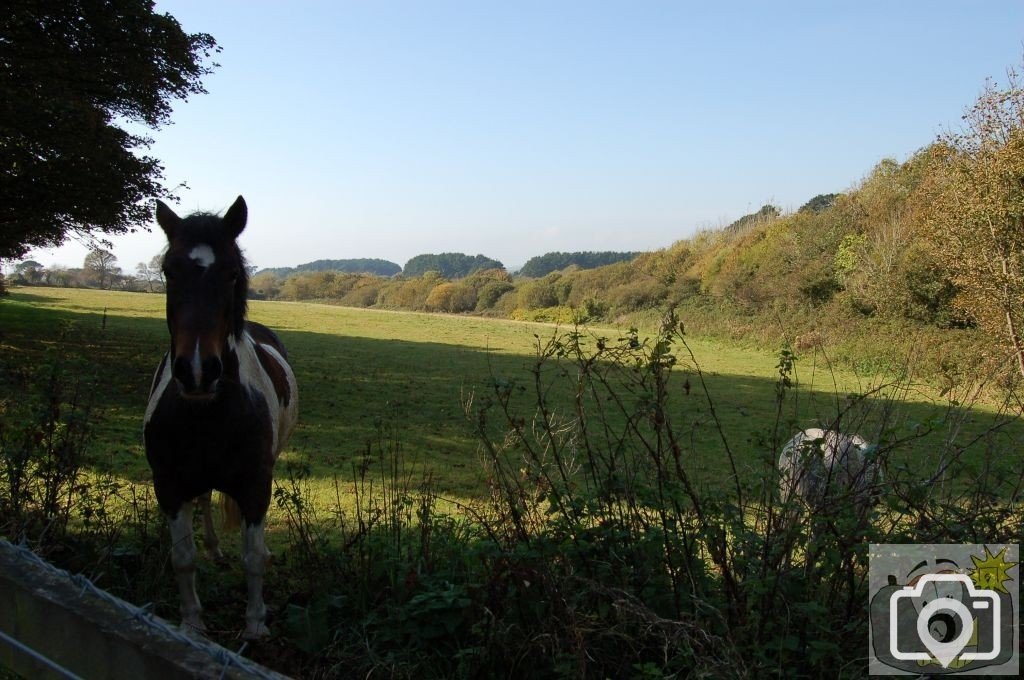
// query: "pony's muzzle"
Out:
[198,377]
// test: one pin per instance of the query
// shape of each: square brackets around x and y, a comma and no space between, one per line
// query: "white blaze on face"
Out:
[197,366]
[202,255]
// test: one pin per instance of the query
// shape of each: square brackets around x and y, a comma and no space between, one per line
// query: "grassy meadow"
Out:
[404,377]
[404,545]
[365,375]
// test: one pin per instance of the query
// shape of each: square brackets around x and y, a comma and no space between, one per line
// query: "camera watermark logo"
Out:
[944,609]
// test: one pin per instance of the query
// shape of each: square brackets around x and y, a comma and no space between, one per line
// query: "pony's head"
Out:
[206,293]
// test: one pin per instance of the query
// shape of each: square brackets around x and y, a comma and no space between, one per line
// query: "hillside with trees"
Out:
[920,257]
[921,260]
[347,266]
[542,265]
[449,265]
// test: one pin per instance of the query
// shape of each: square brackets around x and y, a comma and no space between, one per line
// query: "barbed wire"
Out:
[223,657]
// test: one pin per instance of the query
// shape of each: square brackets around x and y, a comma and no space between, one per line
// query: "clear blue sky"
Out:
[389,129]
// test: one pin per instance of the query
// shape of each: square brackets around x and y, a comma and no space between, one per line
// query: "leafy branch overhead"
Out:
[73,75]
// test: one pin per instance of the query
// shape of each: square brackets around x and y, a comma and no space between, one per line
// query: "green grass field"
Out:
[361,372]
[414,592]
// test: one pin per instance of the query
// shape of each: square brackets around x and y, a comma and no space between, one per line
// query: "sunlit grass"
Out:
[362,373]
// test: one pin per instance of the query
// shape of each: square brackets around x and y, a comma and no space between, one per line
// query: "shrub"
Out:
[490,293]
[538,294]
[643,293]
[44,441]
[265,285]
[451,297]
[633,566]
[363,294]
[408,293]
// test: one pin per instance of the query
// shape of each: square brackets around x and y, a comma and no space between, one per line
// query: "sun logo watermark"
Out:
[944,609]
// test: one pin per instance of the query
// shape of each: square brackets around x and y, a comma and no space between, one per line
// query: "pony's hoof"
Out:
[255,631]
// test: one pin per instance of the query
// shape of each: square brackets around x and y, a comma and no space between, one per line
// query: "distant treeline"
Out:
[449,265]
[352,266]
[921,260]
[542,265]
[856,271]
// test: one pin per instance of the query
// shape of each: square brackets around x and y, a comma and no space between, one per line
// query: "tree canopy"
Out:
[819,203]
[72,72]
[767,213]
[449,265]
[542,265]
[361,265]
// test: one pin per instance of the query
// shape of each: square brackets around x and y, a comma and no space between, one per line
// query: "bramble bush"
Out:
[599,553]
[45,432]
[52,498]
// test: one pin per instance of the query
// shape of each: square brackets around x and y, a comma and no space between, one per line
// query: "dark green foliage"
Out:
[539,293]
[930,296]
[28,271]
[638,567]
[599,554]
[491,292]
[44,438]
[349,266]
[820,291]
[642,293]
[542,265]
[71,72]
[819,203]
[449,265]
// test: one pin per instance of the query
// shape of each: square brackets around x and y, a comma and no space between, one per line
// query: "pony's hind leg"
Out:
[254,559]
[210,539]
[183,559]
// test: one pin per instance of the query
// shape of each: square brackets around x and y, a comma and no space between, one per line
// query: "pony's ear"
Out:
[235,217]
[166,218]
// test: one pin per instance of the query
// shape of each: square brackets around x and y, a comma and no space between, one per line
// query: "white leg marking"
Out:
[254,560]
[210,539]
[183,559]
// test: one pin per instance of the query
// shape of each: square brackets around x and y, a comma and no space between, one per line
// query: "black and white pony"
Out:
[823,468]
[222,404]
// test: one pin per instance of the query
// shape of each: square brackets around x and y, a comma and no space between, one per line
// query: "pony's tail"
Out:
[231,513]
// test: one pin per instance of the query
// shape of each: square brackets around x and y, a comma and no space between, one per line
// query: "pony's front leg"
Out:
[210,539]
[183,559]
[254,559]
